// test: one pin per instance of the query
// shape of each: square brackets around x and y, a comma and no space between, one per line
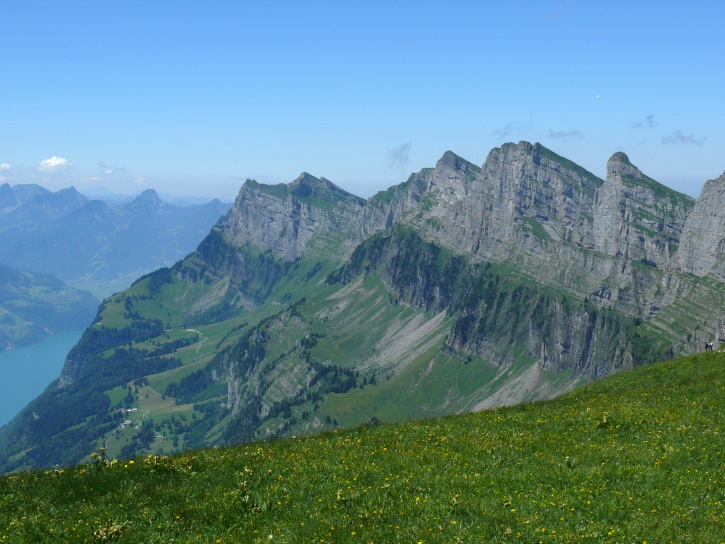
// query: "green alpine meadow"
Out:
[636,458]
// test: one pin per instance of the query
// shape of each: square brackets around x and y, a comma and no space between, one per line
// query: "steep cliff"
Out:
[635,217]
[554,222]
[285,219]
[702,246]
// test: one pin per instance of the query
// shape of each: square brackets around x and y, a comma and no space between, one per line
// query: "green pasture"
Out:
[634,458]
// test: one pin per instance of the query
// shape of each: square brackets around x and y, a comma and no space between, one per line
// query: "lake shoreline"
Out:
[26,371]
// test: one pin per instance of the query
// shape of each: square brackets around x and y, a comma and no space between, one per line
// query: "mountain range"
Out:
[52,240]
[462,288]
[91,244]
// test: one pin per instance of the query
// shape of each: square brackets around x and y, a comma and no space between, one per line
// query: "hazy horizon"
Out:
[193,98]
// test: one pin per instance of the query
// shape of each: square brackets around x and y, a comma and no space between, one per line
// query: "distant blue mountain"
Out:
[94,245]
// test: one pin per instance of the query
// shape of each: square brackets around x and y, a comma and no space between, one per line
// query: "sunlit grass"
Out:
[637,457]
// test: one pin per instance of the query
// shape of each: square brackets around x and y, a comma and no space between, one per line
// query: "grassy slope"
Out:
[362,332]
[691,312]
[357,328]
[636,457]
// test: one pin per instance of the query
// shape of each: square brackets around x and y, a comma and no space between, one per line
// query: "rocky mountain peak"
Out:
[508,151]
[148,201]
[524,159]
[32,205]
[11,197]
[636,218]
[283,218]
[619,166]
[618,158]
[305,179]
[456,162]
[149,196]
[318,191]
[702,248]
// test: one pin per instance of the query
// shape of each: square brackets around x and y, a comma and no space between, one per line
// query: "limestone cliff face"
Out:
[386,208]
[623,248]
[554,221]
[562,338]
[531,196]
[636,218]
[615,239]
[284,219]
[702,248]
[524,194]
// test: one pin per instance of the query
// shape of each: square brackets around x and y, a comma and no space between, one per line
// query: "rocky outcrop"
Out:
[551,219]
[636,218]
[284,219]
[702,248]
[386,208]
[527,180]
[614,239]
[524,194]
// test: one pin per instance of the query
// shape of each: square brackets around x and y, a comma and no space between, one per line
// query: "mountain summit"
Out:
[148,201]
[462,288]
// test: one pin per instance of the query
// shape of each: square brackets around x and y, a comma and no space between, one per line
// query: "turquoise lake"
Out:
[26,372]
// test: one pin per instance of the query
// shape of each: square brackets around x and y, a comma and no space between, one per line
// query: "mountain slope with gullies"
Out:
[463,288]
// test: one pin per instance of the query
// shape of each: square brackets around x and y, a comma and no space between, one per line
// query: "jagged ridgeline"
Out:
[463,288]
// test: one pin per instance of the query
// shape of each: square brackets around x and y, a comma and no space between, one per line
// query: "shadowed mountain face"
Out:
[462,288]
[94,245]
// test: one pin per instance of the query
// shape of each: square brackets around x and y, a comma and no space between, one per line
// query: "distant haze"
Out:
[193,98]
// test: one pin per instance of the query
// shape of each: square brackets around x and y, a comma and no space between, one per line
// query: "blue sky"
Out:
[192,98]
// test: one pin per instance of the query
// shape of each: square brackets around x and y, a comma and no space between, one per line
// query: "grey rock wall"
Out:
[623,241]
[285,219]
[702,249]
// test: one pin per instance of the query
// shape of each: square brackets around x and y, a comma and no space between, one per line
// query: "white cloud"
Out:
[4,166]
[54,164]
